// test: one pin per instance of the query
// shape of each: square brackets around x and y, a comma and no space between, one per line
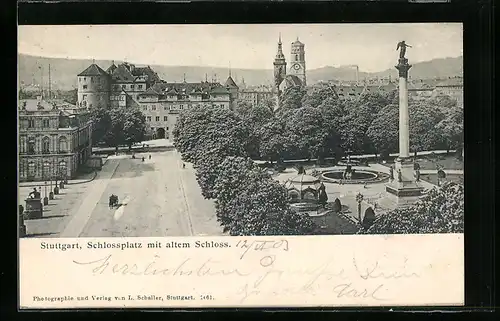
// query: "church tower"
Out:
[279,66]
[298,61]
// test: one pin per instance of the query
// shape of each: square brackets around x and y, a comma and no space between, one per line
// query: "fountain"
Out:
[349,175]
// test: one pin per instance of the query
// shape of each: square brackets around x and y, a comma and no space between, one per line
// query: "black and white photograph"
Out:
[240,130]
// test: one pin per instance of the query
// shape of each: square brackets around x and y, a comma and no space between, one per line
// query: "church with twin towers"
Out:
[295,76]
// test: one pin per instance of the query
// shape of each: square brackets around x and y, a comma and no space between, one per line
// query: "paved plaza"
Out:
[157,197]
[373,193]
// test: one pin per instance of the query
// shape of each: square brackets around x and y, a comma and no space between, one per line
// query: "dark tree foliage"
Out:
[440,211]
[369,218]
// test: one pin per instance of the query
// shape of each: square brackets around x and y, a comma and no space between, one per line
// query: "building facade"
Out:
[126,86]
[255,95]
[162,103]
[55,139]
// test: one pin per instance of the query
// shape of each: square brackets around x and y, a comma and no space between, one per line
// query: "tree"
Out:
[423,121]
[121,126]
[189,130]
[318,94]
[375,101]
[310,133]
[333,112]
[440,211]
[254,118]
[269,103]
[452,129]
[261,208]
[274,140]
[443,102]
[101,123]
[383,132]
[205,136]
[134,126]
[202,133]
[233,174]
[291,98]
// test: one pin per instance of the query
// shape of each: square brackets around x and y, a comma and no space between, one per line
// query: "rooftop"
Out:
[45,105]
[230,82]
[93,70]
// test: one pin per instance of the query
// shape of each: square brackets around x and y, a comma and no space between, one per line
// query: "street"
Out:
[157,198]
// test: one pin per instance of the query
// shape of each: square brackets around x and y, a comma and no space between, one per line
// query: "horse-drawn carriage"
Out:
[113,201]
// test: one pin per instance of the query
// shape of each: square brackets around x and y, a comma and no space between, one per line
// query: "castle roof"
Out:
[160,86]
[93,70]
[219,90]
[146,71]
[111,68]
[230,82]
[150,92]
[122,74]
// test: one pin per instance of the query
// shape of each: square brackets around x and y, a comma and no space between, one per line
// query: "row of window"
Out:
[47,169]
[92,79]
[157,118]
[124,87]
[45,123]
[166,108]
[30,146]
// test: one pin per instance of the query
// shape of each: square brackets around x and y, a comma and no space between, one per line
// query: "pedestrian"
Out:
[33,193]
[149,156]
[183,165]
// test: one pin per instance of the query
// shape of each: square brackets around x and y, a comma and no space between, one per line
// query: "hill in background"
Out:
[63,72]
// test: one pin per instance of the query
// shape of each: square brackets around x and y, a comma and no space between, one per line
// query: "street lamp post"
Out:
[56,188]
[45,198]
[359,199]
[51,193]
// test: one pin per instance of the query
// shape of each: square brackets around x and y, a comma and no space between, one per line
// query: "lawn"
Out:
[432,178]
[429,163]
[447,162]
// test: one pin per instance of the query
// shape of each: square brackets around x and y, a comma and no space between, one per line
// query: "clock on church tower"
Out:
[298,61]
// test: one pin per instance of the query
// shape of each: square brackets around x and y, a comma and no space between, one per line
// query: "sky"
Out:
[247,46]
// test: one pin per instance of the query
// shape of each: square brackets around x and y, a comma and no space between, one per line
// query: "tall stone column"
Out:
[404,124]
[404,190]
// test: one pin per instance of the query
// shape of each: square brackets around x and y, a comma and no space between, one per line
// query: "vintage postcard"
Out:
[262,165]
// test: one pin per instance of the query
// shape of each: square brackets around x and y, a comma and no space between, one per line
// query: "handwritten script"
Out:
[264,274]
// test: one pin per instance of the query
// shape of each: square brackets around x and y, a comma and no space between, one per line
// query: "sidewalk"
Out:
[85,179]
[82,215]
[61,211]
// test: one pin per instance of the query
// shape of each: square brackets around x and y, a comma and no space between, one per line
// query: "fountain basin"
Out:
[357,177]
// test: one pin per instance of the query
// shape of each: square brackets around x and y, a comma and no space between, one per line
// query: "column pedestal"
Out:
[407,191]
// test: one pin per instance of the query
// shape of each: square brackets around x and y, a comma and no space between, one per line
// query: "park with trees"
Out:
[223,144]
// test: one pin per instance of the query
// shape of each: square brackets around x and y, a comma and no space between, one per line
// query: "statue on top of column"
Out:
[402,45]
